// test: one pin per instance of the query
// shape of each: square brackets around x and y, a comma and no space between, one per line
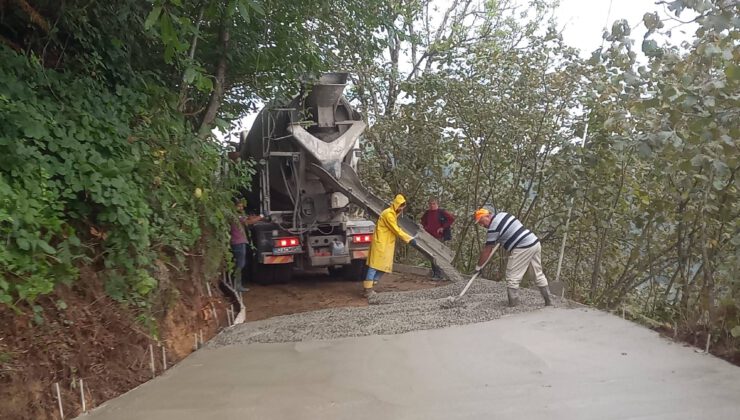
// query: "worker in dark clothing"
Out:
[438,222]
[239,242]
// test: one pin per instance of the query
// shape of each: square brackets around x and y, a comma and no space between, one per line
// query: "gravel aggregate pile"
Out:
[389,313]
[479,287]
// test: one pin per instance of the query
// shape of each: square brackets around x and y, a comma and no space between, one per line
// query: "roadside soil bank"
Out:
[86,335]
[83,334]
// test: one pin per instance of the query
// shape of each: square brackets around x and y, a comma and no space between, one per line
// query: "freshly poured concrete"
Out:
[547,364]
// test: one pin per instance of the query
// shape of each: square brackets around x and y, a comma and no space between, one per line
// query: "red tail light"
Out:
[286,242]
[362,239]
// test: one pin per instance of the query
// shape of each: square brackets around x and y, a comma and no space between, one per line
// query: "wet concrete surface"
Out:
[551,363]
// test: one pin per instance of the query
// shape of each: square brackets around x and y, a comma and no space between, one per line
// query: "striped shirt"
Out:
[509,232]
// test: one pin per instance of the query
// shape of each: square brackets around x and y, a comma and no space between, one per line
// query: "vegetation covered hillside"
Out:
[114,195]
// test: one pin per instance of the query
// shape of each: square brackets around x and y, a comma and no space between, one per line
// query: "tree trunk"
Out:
[193,45]
[394,47]
[708,289]
[596,273]
[218,89]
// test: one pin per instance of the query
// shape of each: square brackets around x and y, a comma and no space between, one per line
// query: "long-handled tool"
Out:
[450,301]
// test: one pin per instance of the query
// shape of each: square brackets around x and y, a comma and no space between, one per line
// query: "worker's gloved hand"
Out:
[478,268]
[413,241]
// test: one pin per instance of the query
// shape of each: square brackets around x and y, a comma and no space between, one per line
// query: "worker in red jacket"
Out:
[438,222]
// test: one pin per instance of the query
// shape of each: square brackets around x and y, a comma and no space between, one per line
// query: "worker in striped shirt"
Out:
[523,246]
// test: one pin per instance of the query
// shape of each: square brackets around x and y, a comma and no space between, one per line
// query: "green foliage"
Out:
[89,171]
[105,157]
[267,47]
[651,202]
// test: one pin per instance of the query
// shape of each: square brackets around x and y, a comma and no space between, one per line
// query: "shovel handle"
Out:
[477,273]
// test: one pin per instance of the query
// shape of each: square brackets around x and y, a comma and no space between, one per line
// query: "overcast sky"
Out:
[583,22]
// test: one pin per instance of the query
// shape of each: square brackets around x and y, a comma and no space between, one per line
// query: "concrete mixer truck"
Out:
[308,223]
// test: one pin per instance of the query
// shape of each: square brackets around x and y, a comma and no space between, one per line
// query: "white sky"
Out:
[585,20]
[583,23]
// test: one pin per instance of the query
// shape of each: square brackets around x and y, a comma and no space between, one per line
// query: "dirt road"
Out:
[316,291]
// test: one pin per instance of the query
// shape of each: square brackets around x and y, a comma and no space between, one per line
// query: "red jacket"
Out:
[431,221]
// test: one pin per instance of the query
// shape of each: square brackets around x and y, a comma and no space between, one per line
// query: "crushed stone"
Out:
[389,313]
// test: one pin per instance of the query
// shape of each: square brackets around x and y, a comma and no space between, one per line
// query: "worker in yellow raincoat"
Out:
[383,247]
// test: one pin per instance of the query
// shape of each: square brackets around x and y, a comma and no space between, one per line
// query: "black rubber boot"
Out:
[545,291]
[513,296]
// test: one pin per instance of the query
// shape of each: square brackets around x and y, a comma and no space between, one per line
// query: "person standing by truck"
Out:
[239,243]
[383,245]
[438,222]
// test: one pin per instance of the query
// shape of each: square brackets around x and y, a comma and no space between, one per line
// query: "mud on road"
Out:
[316,291]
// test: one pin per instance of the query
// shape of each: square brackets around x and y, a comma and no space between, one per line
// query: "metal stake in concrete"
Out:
[567,218]
[82,395]
[59,400]
[195,347]
[201,337]
[215,314]
[164,359]
[623,313]
[706,348]
[151,360]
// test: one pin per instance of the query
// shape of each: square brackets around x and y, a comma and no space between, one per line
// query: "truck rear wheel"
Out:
[355,271]
[335,271]
[271,273]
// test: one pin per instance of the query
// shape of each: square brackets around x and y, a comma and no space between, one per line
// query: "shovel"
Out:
[450,301]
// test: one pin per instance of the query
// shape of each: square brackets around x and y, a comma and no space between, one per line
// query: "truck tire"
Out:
[271,273]
[335,271]
[282,273]
[355,271]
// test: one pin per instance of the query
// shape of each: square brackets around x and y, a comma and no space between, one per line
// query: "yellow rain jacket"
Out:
[384,239]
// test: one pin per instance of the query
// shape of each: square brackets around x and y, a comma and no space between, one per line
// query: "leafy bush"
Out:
[89,172]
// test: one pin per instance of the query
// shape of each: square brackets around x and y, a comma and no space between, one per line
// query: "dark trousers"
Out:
[240,261]
[436,271]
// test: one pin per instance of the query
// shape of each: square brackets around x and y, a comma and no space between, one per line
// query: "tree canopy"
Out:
[633,153]
[627,160]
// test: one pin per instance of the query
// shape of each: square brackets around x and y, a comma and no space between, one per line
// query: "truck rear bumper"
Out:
[360,254]
[319,261]
[276,259]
